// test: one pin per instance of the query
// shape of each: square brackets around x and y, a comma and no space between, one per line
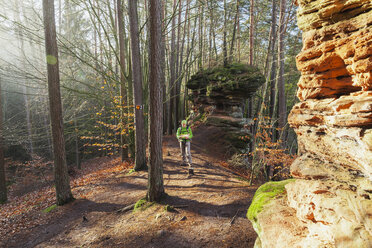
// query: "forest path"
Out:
[213,205]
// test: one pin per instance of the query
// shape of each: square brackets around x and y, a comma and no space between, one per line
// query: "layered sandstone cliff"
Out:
[330,202]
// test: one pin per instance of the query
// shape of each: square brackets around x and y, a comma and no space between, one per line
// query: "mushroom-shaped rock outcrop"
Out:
[225,86]
[219,94]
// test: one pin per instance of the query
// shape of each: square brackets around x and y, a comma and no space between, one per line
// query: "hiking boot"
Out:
[191,172]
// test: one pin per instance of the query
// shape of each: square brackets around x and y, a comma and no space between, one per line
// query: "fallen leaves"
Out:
[25,211]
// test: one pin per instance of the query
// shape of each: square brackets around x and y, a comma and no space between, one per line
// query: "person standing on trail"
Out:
[184,136]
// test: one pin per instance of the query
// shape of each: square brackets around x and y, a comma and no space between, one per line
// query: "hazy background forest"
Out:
[87,33]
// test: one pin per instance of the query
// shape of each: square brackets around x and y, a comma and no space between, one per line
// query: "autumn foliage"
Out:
[269,159]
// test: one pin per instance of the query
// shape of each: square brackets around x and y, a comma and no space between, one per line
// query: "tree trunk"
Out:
[24,87]
[182,67]
[139,122]
[123,95]
[165,103]
[234,31]
[3,191]
[178,66]
[212,28]
[172,67]
[238,38]
[281,83]
[155,183]
[251,32]
[251,36]
[62,181]
[77,151]
[201,34]
[225,59]
[273,61]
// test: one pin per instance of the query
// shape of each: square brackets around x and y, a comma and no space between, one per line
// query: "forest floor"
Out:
[210,207]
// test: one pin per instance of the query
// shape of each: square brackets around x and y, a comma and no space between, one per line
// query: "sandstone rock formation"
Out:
[330,202]
[219,94]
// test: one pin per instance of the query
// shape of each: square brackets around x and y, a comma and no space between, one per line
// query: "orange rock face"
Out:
[335,87]
[332,194]
[335,59]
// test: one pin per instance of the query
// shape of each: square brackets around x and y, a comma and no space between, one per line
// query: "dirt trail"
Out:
[212,214]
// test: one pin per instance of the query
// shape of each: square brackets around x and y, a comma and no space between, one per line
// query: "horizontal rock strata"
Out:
[331,198]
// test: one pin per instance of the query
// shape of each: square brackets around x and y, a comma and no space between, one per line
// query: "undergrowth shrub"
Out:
[269,160]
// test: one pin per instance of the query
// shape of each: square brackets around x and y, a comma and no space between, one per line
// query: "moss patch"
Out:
[142,204]
[131,171]
[236,79]
[264,194]
[50,209]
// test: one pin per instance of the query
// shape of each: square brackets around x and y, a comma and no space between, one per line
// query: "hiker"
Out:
[184,136]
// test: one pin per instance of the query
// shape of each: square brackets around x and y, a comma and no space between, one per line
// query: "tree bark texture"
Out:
[236,19]
[172,69]
[139,121]
[273,60]
[178,66]
[62,181]
[123,94]
[155,183]
[281,83]
[225,59]
[251,32]
[25,83]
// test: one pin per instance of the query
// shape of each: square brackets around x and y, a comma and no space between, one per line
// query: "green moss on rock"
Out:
[236,79]
[264,194]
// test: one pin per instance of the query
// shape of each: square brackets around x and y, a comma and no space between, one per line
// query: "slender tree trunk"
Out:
[165,102]
[201,34]
[225,59]
[123,95]
[116,30]
[3,191]
[155,184]
[281,82]
[273,59]
[139,121]
[234,31]
[238,38]
[270,58]
[212,28]
[182,67]
[77,151]
[62,181]
[251,36]
[178,66]
[44,102]
[172,67]
[24,87]
[251,32]
[59,15]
